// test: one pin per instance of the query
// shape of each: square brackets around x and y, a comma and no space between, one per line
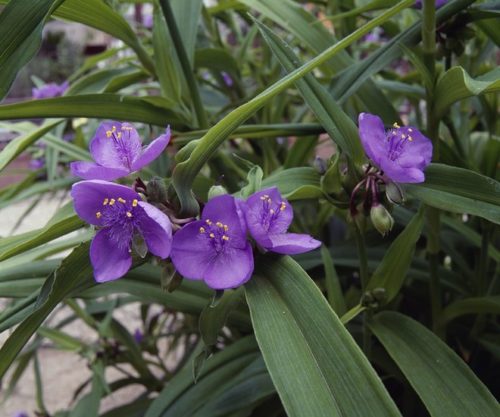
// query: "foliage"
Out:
[262,94]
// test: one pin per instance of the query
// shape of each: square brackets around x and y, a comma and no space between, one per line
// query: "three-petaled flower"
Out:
[117,151]
[438,3]
[215,248]
[268,216]
[49,90]
[402,153]
[120,215]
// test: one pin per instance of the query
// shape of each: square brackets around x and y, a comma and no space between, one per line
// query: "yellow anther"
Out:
[108,133]
[282,206]
[219,224]
[129,214]
[112,201]
[105,202]
[211,235]
[263,198]
[113,128]
[403,136]
[271,211]
[202,230]
[119,135]
[134,203]
[410,138]
[410,130]
[208,222]
[121,200]
[98,214]
[126,128]
[226,227]
[396,125]
[224,237]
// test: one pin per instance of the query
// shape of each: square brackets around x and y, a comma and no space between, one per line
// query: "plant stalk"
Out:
[201,115]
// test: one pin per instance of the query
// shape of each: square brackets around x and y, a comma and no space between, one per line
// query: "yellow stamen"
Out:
[226,227]
[112,201]
[202,230]
[211,235]
[403,136]
[129,214]
[208,222]
[126,128]
[98,214]
[283,206]
[224,237]
[219,224]
[113,128]
[108,133]
[119,135]
[105,202]
[396,125]
[134,203]
[410,139]
[121,200]
[410,129]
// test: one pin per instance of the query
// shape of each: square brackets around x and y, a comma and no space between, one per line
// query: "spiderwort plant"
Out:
[268,216]
[215,248]
[117,151]
[120,215]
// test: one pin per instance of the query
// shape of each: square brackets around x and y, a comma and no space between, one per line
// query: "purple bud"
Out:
[138,336]
[49,90]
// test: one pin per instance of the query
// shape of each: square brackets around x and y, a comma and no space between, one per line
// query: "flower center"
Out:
[118,137]
[217,233]
[120,216]
[270,211]
[398,138]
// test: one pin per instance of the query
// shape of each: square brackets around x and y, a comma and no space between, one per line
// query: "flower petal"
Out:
[116,145]
[191,251]
[88,197]
[421,146]
[230,269]
[91,171]
[292,243]
[373,136]
[223,209]
[152,151]
[110,261]
[156,229]
[401,174]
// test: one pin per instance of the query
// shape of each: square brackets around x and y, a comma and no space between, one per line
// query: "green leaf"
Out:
[475,305]
[21,25]
[216,59]
[391,272]
[458,190]
[315,364]
[167,67]
[186,172]
[61,340]
[74,272]
[19,144]
[442,380]
[332,283]
[63,222]
[295,183]
[455,84]
[149,110]
[182,397]
[339,126]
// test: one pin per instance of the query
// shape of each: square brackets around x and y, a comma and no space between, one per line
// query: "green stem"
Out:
[201,115]
[363,260]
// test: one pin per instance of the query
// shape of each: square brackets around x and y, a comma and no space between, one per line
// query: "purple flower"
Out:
[21,414]
[402,153]
[215,248]
[227,79]
[138,336]
[117,151]
[49,90]
[121,215]
[268,216]
[439,3]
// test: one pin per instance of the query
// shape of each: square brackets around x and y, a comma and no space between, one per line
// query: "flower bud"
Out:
[394,193]
[157,191]
[381,219]
[215,191]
